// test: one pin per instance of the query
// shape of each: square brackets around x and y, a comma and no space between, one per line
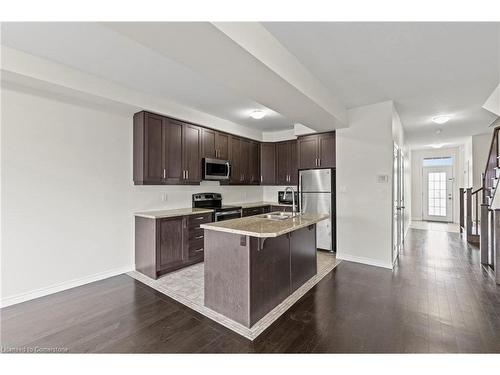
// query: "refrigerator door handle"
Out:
[300,192]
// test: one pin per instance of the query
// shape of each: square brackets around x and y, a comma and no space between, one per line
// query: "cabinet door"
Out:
[268,163]
[327,150]
[172,139]
[254,163]
[293,163]
[192,153]
[308,151]
[153,148]
[282,156]
[208,143]
[269,274]
[245,161]
[234,159]
[302,256]
[171,252]
[222,146]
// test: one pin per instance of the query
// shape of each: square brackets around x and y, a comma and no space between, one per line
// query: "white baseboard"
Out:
[18,298]
[363,260]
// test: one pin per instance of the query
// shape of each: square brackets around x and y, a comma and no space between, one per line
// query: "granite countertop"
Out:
[258,204]
[257,226]
[159,214]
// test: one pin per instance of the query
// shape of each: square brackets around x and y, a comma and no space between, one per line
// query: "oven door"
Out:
[215,169]
[227,215]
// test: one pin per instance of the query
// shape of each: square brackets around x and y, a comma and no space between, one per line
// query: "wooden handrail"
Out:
[491,162]
[478,190]
[493,139]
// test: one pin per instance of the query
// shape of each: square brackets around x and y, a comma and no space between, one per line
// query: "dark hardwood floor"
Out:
[438,299]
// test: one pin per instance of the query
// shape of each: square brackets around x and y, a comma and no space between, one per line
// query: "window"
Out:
[437,193]
[437,162]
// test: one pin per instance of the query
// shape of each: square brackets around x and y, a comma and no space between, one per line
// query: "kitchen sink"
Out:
[280,215]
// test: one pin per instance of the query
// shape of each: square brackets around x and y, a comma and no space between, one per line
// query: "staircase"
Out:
[480,211]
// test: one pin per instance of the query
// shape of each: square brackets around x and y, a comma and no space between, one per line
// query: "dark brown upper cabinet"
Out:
[316,151]
[286,163]
[245,161]
[191,160]
[166,151]
[243,169]
[215,144]
[172,139]
[268,163]
[254,163]
[169,151]
[235,160]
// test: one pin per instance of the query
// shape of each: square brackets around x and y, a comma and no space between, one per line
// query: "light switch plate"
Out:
[382,179]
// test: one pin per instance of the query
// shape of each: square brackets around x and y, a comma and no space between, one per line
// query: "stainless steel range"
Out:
[214,201]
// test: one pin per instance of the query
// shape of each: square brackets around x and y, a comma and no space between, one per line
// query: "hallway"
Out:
[438,299]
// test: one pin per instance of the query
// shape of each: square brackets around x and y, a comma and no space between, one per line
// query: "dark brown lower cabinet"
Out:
[269,274]
[246,277]
[251,211]
[282,208]
[171,250]
[303,264]
[167,244]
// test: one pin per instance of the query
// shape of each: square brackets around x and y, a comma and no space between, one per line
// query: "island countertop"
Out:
[257,226]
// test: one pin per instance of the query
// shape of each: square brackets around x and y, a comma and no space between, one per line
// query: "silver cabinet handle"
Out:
[199,237]
[198,250]
[319,162]
[184,174]
[164,173]
[199,218]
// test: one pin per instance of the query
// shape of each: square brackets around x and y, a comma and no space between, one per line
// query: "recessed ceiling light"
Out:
[441,119]
[257,114]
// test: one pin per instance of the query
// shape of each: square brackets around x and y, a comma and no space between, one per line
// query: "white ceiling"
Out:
[96,49]
[426,68]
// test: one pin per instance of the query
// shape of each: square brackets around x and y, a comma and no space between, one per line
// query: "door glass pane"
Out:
[436,194]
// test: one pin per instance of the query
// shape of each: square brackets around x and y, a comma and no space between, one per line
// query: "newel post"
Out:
[496,245]
[484,243]
[468,213]
[461,195]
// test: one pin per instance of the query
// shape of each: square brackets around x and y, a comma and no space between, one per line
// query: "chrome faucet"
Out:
[294,208]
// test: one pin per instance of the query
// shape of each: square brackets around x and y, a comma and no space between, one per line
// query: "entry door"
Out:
[438,193]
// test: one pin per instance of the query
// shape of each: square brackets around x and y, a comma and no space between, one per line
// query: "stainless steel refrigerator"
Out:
[317,195]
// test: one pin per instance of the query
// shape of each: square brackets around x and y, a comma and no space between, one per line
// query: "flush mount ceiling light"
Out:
[437,145]
[257,114]
[440,119]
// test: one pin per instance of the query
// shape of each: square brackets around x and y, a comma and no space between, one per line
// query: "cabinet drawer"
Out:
[281,208]
[196,233]
[252,211]
[196,220]
[196,248]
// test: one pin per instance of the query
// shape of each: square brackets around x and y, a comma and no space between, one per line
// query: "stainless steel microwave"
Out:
[216,169]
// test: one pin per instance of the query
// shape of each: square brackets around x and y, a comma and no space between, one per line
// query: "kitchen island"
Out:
[254,263]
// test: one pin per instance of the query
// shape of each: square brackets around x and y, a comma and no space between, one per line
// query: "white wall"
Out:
[364,206]
[467,163]
[417,157]
[480,149]
[68,196]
